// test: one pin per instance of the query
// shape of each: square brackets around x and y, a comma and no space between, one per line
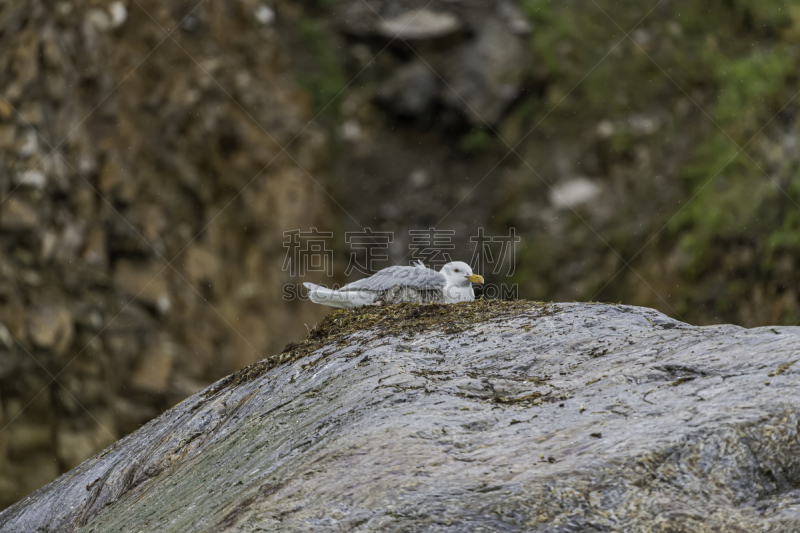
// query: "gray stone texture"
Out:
[514,417]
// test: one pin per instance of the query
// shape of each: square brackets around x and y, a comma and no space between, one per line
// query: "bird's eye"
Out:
[457,270]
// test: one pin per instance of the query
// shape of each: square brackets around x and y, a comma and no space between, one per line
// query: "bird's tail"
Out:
[329,297]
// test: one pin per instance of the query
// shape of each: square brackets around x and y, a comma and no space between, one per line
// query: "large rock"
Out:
[485,76]
[411,91]
[479,65]
[487,416]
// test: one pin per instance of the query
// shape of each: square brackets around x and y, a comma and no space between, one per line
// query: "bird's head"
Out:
[460,273]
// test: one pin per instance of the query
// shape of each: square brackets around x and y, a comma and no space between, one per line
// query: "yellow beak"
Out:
[475,278]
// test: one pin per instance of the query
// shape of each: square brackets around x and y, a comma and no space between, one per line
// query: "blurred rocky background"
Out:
[152,155]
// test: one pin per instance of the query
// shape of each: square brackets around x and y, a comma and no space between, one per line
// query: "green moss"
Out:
[552,26]
[476,141]
[785,238]
[324,79]
[337,329]
[751,86]
[764,17]
[621,141]
[735,200]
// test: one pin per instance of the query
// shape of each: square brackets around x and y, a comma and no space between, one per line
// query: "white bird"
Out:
[397,284]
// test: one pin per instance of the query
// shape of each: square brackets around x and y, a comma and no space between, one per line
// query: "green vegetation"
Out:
[721,74]
[476,141]
[737,197]
[324,78]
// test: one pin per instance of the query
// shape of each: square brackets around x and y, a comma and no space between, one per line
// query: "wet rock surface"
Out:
[481,416]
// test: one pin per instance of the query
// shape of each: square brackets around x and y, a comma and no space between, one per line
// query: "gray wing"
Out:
[407,276]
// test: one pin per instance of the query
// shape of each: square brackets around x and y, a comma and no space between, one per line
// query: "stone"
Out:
[91,319]
[99,20]
[8,135]
[74,446]
[26,62]
[124,346]
[55,171]
[6,339]
[31,278]
[485,75]
[641,125]
[145,282]
[493,416]
[420,25]
[514,18]
[51,328]
[17,216]
[264,15]
[411,91]
[573,193]
[154,369]
[33,114]
[30,144]
[605,129]
[95,252]
[115,180]
[419,178]
[350,130]
[70,242]
[201,266]
[33,179]
[119,14]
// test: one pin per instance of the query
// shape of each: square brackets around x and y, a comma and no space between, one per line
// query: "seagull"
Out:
[416,283]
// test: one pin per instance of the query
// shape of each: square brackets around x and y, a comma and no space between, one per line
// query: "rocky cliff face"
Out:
[143,196]
[488,415]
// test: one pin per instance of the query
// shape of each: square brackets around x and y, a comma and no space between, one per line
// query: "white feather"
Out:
[339,299]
